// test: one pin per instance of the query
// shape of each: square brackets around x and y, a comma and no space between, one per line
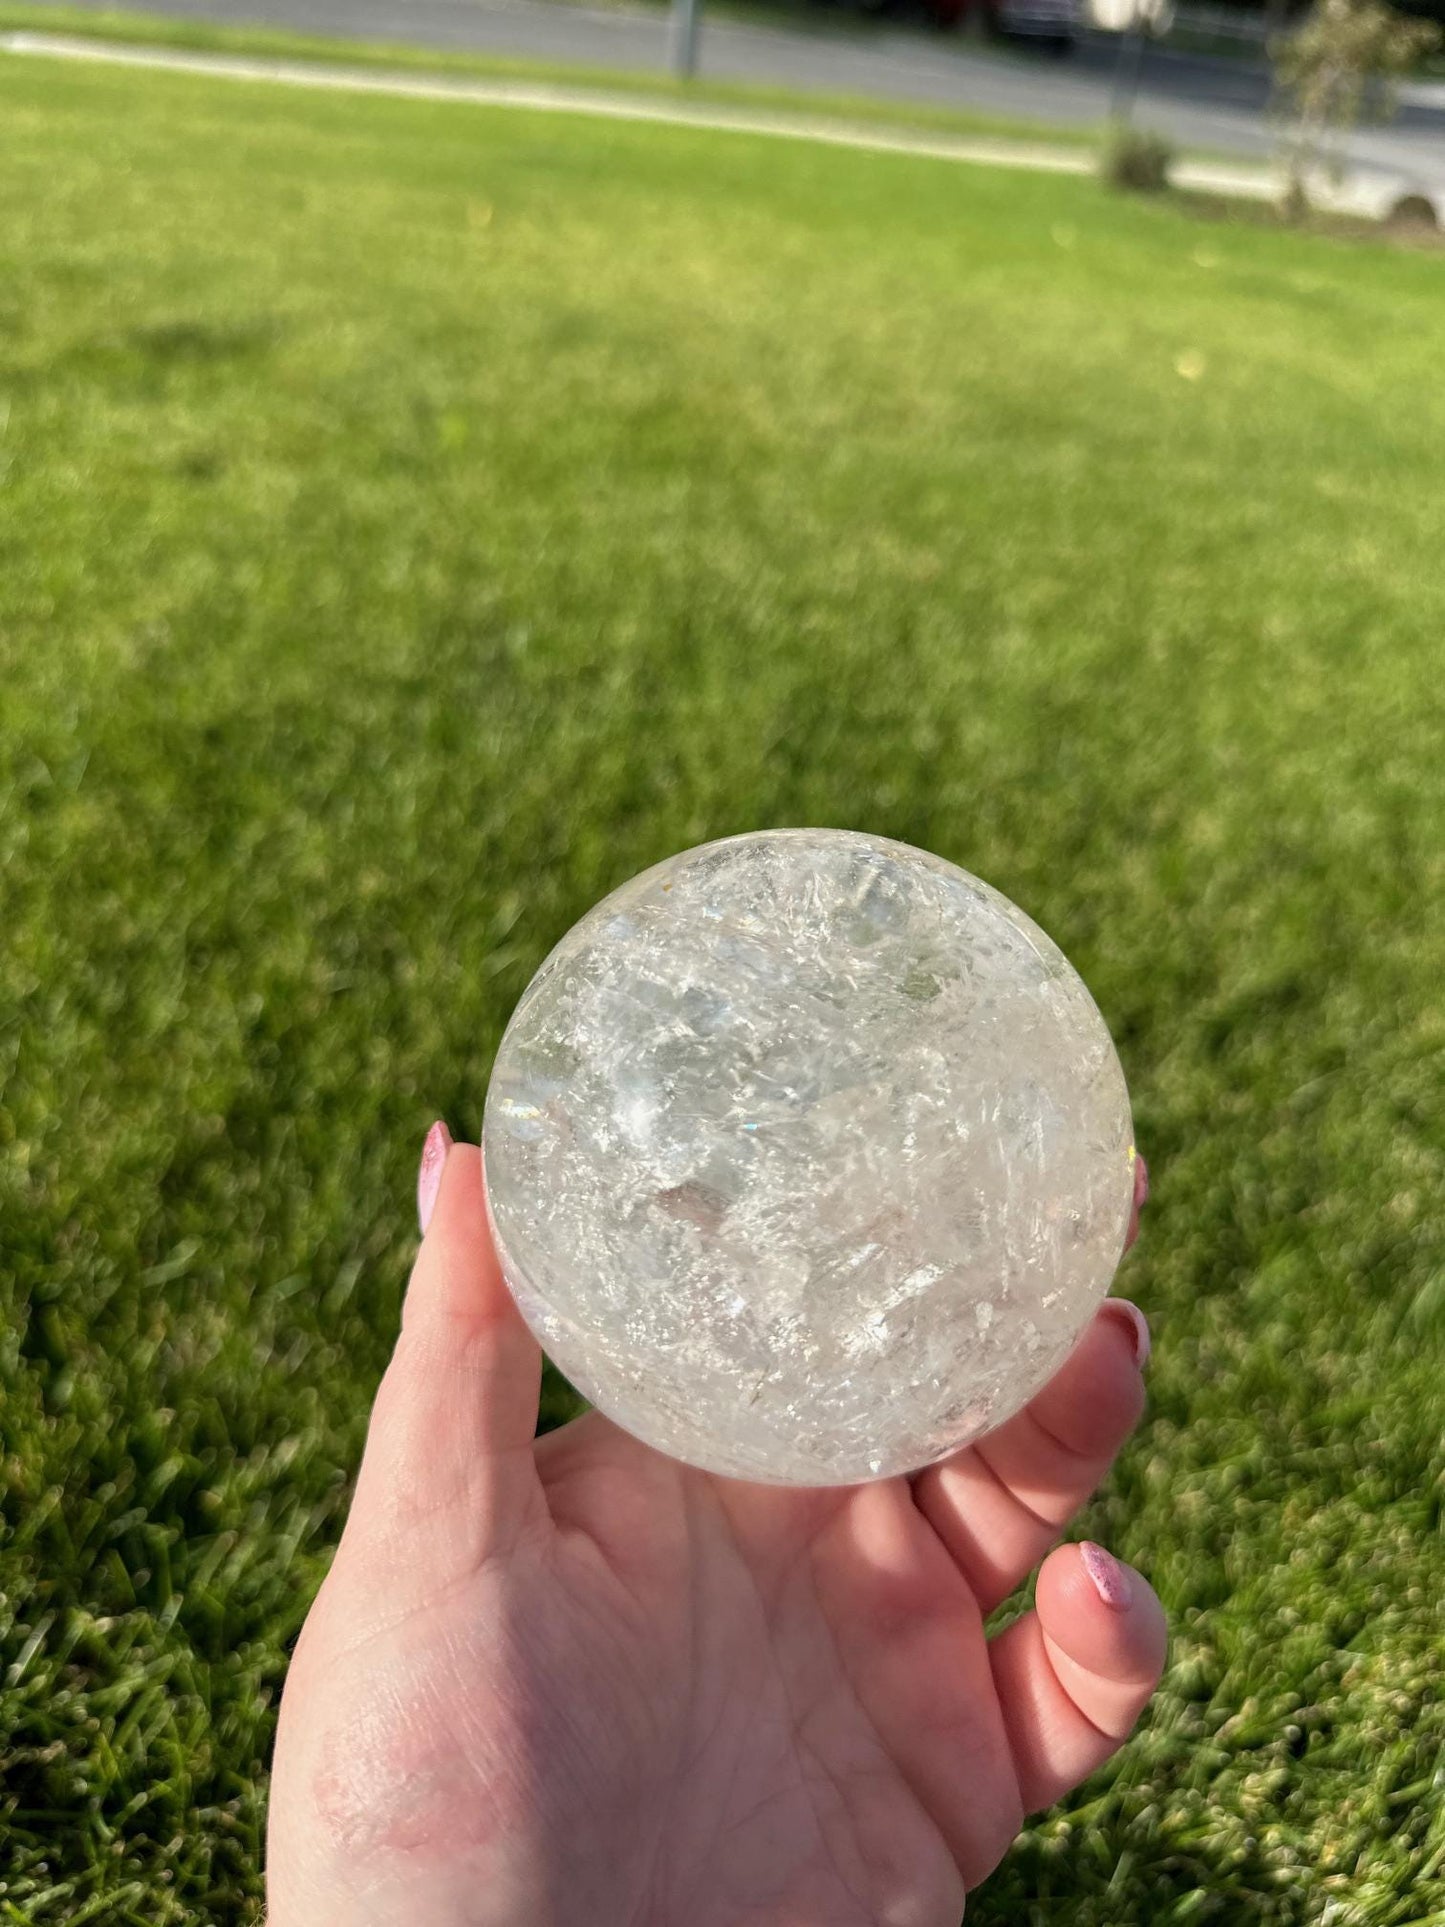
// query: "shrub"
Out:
[1136,160]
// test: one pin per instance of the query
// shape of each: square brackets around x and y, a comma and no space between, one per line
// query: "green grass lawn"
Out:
[121,25]
[415,519]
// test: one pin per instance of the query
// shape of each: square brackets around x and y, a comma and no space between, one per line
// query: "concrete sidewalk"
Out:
[1354,193]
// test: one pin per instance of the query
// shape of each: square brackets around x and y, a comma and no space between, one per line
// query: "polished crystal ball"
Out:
[808,1157]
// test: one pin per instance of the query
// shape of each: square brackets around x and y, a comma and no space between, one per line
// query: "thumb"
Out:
[448,1478]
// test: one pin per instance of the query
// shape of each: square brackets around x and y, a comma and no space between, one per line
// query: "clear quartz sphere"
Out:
[808,1157]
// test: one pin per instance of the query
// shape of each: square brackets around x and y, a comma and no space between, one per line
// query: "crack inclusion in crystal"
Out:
[761,1216]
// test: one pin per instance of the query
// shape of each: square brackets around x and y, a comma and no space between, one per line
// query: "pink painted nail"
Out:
[429,1178]
[1135,1323]
[1141,1198]
[1110,1580]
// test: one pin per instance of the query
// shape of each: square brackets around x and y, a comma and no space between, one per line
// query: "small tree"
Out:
[1340,65]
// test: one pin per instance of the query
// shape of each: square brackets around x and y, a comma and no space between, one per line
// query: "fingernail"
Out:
[1135,1323]
[1110,1580]
[429,1178]
[1141,1198]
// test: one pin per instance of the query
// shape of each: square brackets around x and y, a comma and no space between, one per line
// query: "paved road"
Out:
[1199,103]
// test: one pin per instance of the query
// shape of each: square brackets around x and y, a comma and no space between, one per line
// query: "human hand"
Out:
[569,1680]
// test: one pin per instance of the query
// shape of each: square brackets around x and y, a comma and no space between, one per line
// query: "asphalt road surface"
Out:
[1211,104]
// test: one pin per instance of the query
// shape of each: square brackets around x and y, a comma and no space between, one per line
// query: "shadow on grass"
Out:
[161,347]
[203,341]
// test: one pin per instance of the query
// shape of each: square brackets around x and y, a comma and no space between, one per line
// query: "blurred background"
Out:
[429,497]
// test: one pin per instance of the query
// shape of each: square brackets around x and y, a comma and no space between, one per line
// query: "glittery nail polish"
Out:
[1110,1581]
[429,1177]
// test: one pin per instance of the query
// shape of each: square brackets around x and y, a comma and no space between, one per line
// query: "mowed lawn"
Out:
[413,520]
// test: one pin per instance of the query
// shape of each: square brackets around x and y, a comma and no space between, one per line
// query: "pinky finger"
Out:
[1074,1674]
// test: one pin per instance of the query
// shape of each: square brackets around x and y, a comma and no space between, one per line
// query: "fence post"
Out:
[684,38]
[1128,67]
